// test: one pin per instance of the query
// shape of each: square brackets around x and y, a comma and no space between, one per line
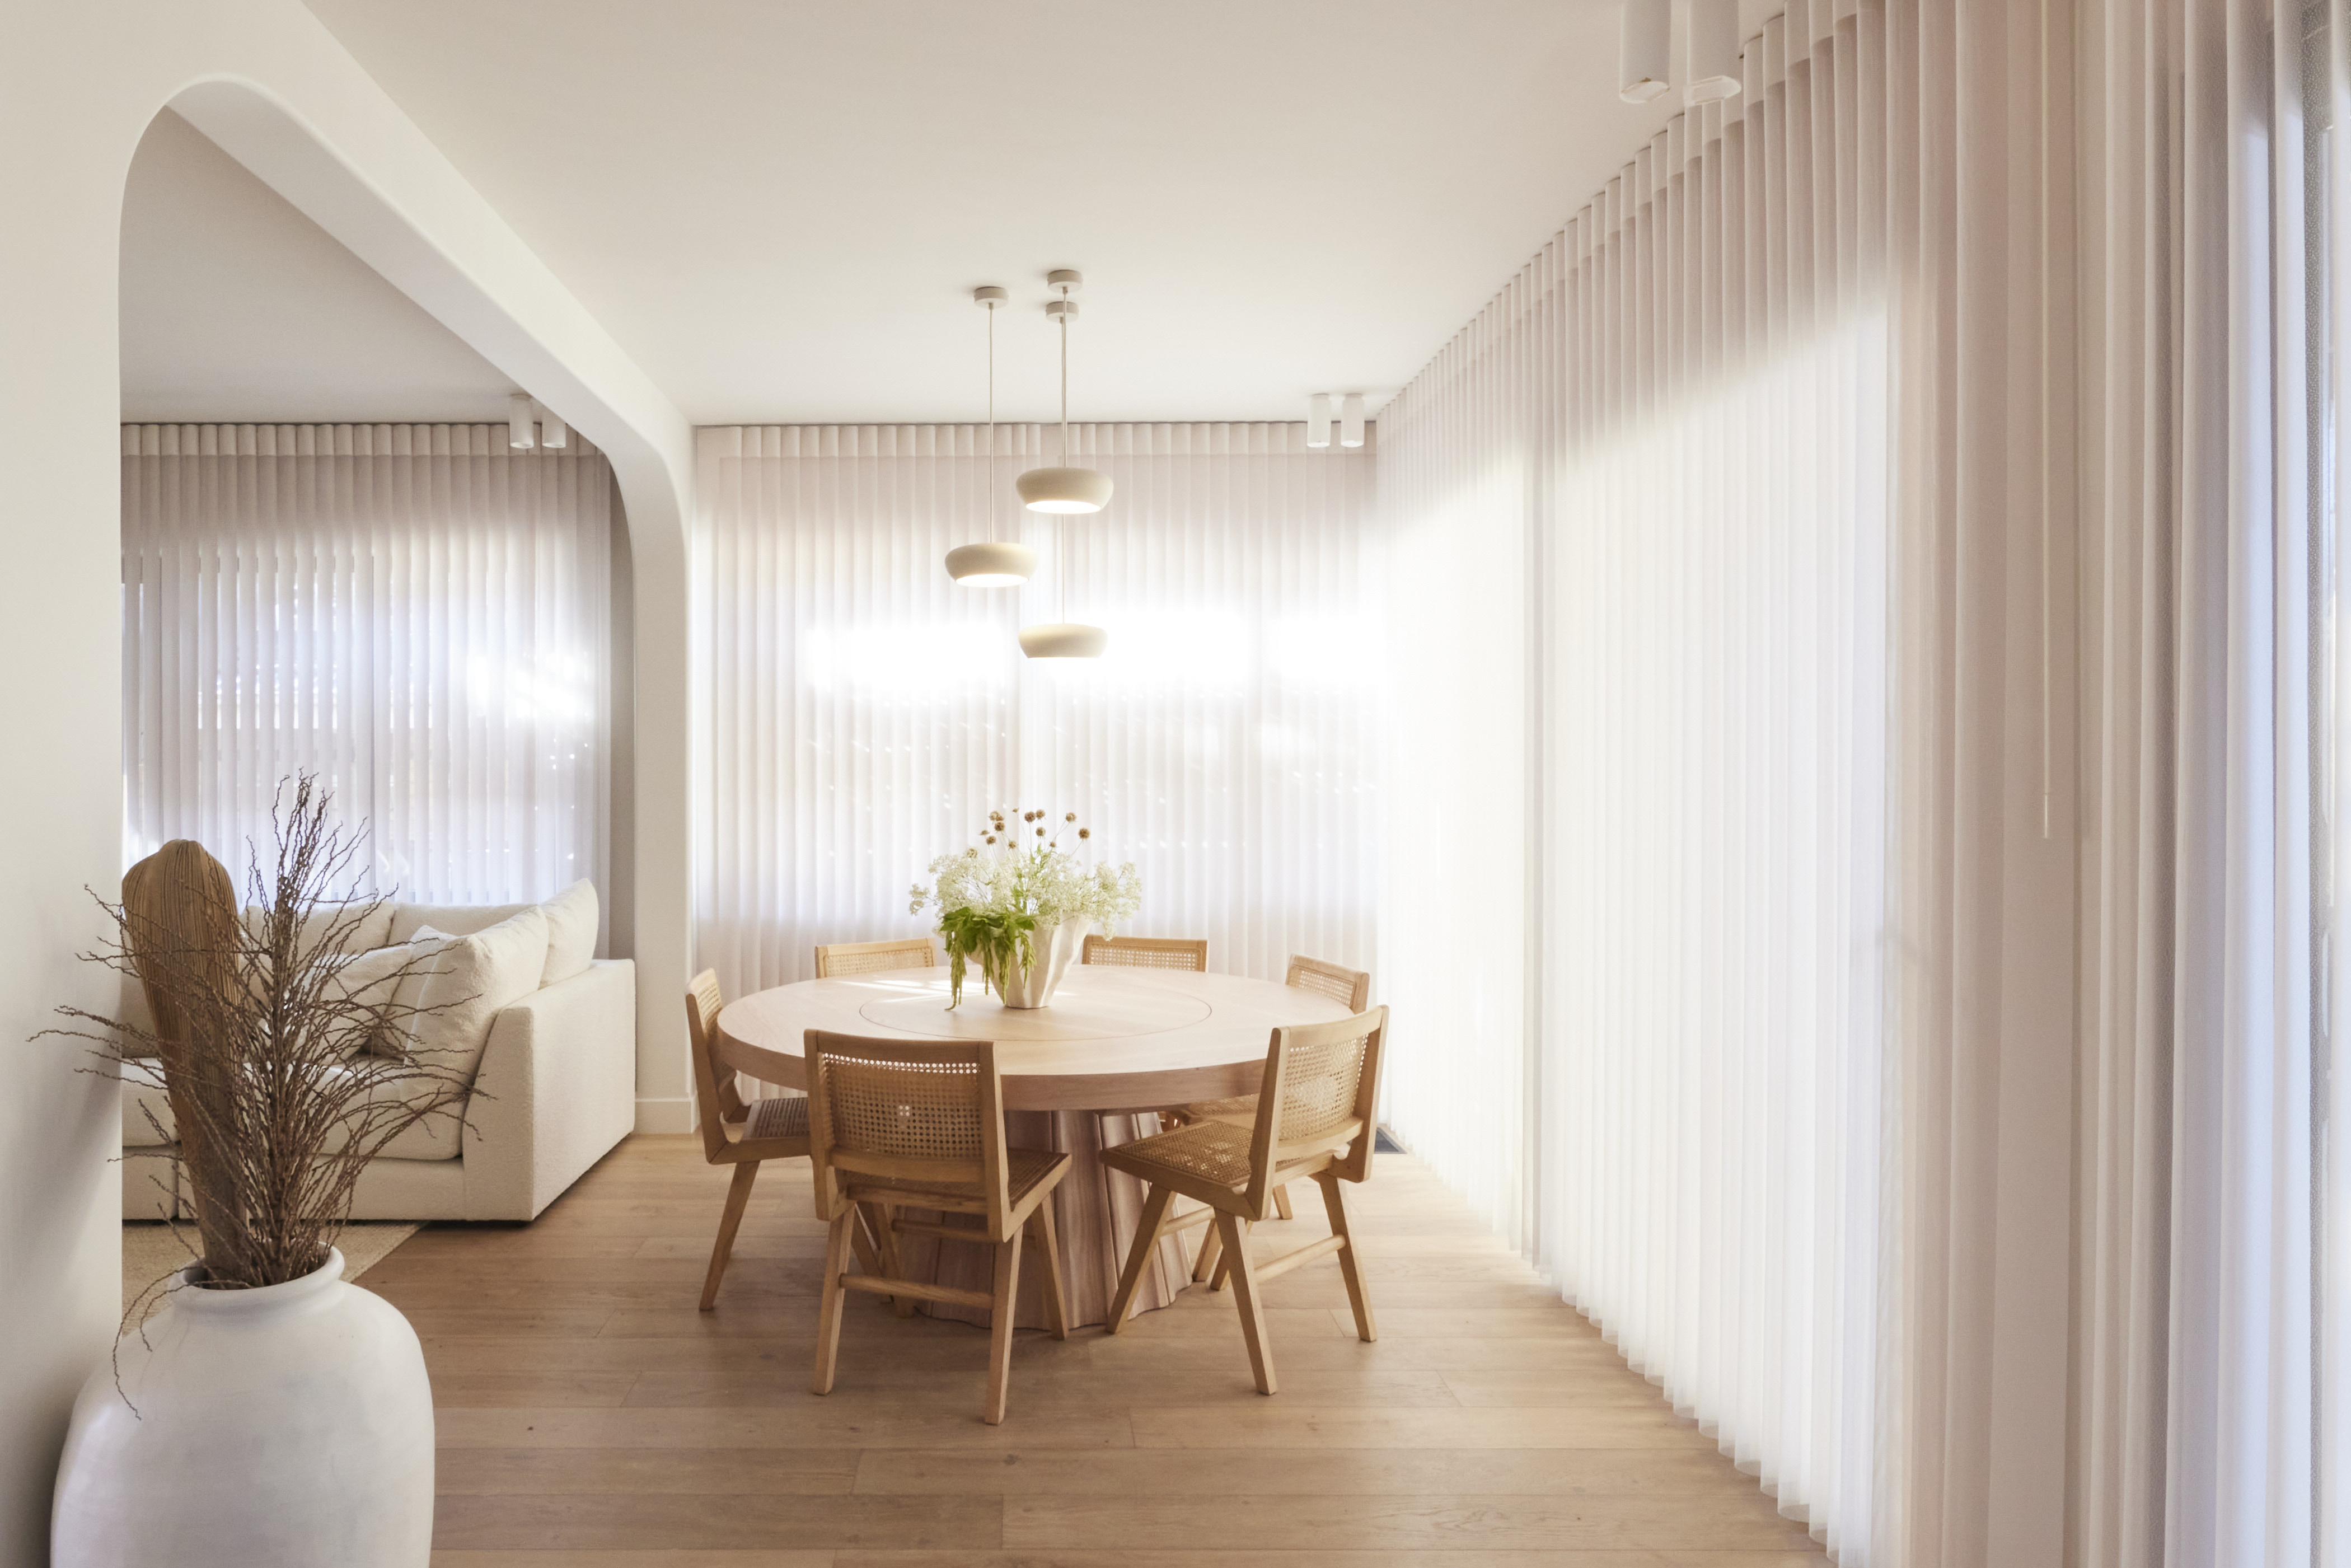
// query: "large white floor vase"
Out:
[289,1427]
[1055,947]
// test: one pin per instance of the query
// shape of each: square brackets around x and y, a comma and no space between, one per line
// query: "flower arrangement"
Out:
[994,896]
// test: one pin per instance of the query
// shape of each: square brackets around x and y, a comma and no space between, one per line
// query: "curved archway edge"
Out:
[79,86]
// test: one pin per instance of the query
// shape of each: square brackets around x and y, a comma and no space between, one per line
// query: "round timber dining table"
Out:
[1116,1045]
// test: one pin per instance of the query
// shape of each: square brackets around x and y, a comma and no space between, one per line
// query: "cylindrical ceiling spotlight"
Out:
[1713,73]
[1063,640]
[1351,421]
[995,563]
[1064,489]
[1645,50]
[1318,419]
[518,435]
[553,434]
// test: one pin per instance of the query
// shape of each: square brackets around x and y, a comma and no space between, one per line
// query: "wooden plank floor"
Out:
[590,1415]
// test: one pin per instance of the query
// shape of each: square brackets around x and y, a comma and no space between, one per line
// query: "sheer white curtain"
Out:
[1721,774]
[416,613]
[2213,1427]
[865,712]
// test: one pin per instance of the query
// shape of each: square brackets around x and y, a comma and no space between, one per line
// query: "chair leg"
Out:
[1365,1330]
[1057,1303]
[738,1199]
[1212,1243]
[999,1327]
[861,1237]
[1237,1258]
[1225,1257]
[1147,1236]
[1282,1201]
[828,1317]
[893,1266]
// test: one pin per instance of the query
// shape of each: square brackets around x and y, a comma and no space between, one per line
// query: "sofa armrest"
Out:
[555,1090]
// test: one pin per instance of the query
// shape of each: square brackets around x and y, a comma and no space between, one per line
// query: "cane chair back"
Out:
[1320,1087]
[1147,952]
[841,960]
[1352,987]
[894,1115]
[717,1101]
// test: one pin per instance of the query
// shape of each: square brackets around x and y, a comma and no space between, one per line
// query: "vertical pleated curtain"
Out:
[415,613]
[1718,773]
[2215,1284]
[865,712]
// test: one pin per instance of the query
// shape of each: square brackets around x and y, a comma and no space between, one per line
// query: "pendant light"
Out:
[996,563]
[1064,489]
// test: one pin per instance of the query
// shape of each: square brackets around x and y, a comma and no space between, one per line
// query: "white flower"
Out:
[1043,880]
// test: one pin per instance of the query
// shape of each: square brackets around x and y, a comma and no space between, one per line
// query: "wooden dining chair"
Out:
[1352,987]
[842,959]
[1316,1110]
[897,1124]
[1147,952]
[739,1132]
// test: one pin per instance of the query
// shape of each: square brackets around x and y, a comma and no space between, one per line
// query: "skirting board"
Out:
[664,1115]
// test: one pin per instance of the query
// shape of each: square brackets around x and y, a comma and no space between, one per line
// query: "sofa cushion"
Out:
[144,1097]
[571,920]
[373,931]
[370,980]
[432,1138]
[471,980]
[455,919]
[435,1137]
[370,928]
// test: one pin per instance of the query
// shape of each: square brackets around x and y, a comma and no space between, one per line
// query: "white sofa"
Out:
[555,1090]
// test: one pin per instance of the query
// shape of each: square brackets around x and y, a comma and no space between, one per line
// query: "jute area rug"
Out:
[150,1250]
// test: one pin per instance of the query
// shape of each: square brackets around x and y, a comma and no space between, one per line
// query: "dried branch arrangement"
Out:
[271,1064]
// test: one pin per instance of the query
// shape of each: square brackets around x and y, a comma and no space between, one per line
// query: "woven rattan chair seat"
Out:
[1023,1169]
[1211,1150]
[1240,1106]
[786,1116]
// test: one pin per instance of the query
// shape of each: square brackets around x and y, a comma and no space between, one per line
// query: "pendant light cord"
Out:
[1060,549]
[991,422]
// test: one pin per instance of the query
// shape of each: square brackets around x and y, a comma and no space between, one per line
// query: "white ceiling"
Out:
[781,209]
[237,308]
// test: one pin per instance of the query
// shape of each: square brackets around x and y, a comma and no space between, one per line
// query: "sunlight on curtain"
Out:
[1639,861]
[414,612]
[866,711]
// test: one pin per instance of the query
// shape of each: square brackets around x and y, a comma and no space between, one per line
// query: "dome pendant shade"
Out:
[992,565]
[1063,640]
[1064,489]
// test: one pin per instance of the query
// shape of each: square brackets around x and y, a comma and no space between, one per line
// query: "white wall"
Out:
[78,84]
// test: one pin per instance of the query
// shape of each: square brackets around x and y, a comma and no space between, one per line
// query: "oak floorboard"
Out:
[1357,1472]
[567,1523]
[589,1417]
[1486,1520]
[821,1558]
[1132,1557]
[625,1472]
[1269,1424]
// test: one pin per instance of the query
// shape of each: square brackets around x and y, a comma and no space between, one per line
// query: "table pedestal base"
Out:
[1095,1211]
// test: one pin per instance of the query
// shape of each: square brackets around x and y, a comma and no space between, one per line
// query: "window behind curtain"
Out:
[416,613]
[866,712]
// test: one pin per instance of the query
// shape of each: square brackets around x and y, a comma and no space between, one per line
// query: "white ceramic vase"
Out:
[289,1427]
[1056,948]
